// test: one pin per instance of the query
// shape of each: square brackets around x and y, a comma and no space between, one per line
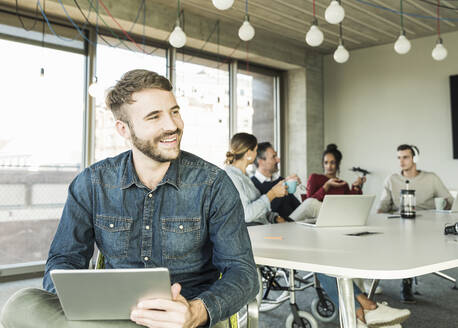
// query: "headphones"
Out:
[416,153]
[451,229]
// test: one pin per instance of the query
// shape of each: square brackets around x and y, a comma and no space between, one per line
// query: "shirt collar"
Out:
[262,178]
[130,177]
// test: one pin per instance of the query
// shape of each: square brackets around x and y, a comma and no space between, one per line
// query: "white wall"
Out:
[379,99]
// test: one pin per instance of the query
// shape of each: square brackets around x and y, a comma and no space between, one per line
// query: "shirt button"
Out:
[146,258]
[147,227]
[150,195]
[111,225]
[180,226]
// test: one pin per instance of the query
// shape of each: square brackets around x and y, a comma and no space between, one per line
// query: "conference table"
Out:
[398,248]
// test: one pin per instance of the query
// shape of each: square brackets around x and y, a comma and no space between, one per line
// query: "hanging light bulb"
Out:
[95,90]
[402,44]
[246,31]
[177,38]
[341,54]
[439,52]
[223,4]
[335,13]
[314,36]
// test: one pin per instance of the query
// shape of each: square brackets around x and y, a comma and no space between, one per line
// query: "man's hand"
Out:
[278,191]
[293,177]
[279,219]
[175,313]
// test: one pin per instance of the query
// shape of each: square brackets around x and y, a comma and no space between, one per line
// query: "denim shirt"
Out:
[192,223]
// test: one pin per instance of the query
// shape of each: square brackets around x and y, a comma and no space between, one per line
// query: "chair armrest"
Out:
[253,314]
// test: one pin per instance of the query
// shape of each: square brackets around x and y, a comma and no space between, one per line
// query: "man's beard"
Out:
[150,148]
[274,169]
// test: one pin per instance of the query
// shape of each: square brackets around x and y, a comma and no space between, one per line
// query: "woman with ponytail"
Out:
[256,206]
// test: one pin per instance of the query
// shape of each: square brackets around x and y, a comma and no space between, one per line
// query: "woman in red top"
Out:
[320,185]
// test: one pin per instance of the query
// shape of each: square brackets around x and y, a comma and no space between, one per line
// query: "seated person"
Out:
[257,207]
[146,189]
[320,185]
[267,176]
[427,186]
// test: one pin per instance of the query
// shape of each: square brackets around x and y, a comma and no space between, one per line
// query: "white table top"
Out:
[404,248]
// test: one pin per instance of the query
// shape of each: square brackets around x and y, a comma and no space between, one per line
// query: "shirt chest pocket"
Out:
[180,236]
[113,235]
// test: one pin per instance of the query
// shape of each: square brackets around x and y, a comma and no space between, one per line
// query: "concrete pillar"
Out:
[303,126]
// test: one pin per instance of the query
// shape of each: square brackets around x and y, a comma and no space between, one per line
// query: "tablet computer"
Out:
[108,294]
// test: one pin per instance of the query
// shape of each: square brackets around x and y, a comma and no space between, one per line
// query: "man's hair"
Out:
[261,152]
[133,81]
[409,147]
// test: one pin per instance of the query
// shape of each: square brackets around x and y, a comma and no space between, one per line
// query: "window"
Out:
[41,133]
[112,63]
[256,105]
[202,90]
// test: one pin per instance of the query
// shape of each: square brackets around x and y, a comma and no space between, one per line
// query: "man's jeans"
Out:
[36,308]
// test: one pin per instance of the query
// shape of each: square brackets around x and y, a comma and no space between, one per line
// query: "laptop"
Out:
[108,294]
[343,211]
[454,208]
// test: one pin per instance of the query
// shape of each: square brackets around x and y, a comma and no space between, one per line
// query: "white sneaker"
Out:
[367,287]
[360,324]
[384,316]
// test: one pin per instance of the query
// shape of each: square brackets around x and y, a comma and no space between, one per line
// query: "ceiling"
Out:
[364,24]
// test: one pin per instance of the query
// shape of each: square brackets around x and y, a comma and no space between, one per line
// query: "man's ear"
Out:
[123,129]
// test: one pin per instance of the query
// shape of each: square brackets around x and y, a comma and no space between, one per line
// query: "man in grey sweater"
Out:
[427,186]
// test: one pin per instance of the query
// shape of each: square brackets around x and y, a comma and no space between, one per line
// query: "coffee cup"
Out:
[292,185]
[440,203]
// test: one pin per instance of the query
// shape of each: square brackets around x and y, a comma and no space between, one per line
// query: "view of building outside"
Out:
[112,63]
[41,134]
[256,105]
[202,90]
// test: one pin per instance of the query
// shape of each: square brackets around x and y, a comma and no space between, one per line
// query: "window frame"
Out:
[16,271]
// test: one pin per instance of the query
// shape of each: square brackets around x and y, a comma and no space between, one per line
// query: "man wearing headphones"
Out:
[427,186]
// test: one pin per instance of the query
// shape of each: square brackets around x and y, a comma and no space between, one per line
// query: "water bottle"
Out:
[407,206]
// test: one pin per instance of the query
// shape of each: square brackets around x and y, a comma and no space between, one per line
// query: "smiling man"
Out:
[175,209]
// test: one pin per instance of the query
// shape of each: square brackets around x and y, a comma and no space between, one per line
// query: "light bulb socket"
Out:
[42,72]
[403,32]
[315,21]
[341,42]
[439,40]
[247,18]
